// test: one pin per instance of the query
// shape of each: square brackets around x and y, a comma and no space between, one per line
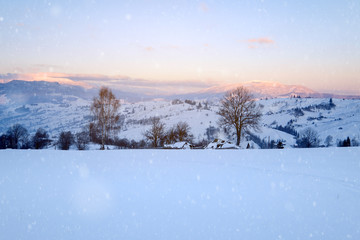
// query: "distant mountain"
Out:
[263,90]
[266,89]
[26,92]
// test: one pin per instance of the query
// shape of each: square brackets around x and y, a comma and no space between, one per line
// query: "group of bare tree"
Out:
[308,138]
[17,137]
[157,134]
[238,111]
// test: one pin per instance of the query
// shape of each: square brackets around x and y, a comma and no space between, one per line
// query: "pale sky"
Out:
[187,44]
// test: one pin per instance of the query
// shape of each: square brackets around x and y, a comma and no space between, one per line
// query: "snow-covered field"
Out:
[180,194]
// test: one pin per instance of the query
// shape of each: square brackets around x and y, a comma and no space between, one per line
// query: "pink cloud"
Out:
[173,46]
[203,6]
[122,82]
[252,46]
[61,78]
[261,40]
[149,49]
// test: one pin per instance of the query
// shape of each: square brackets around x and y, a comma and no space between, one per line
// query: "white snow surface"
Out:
[187,194]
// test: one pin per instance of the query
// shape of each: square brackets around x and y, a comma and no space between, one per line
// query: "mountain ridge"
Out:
[28,92]
[268,89]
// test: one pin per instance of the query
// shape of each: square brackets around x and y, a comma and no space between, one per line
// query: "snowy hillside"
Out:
[54,117]
[167,194]
[23,92]
[57,108]
[340,121]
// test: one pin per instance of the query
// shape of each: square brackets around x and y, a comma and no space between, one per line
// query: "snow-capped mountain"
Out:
[57,108]
[266,89]
[24,92]
[261,89]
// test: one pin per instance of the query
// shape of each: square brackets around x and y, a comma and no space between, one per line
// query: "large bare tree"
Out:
[105,113]
[239,110]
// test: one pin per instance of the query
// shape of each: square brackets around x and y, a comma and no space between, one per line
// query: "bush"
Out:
[179,133]
[156,134]
[212,133]
[280,145]
[287,129]
[183,132]
[4,141]
[66,139]
[176,101]
[308,138]
[298,112]
[17,137]
[41,139]
[328,141]
[82,140]
[171,136]
[94,133]
[345,143]
[190,102]
[122,143]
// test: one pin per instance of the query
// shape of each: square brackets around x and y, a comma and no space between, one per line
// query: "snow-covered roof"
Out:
[221,144]
[179,145]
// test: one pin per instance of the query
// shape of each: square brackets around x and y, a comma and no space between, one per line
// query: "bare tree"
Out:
[179,132]
[328,140]
[183,131]
[308,138]
[156,133]
[40,139]
[18,137]
[82,139]
[105,114]
[171,136]
[66,139]
[239,110]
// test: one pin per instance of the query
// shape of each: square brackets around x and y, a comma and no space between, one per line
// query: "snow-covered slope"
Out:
[68,115]
[167,194]
[340,121]
[64,110]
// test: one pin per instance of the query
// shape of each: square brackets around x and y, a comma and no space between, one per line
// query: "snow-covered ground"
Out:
[180,194]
